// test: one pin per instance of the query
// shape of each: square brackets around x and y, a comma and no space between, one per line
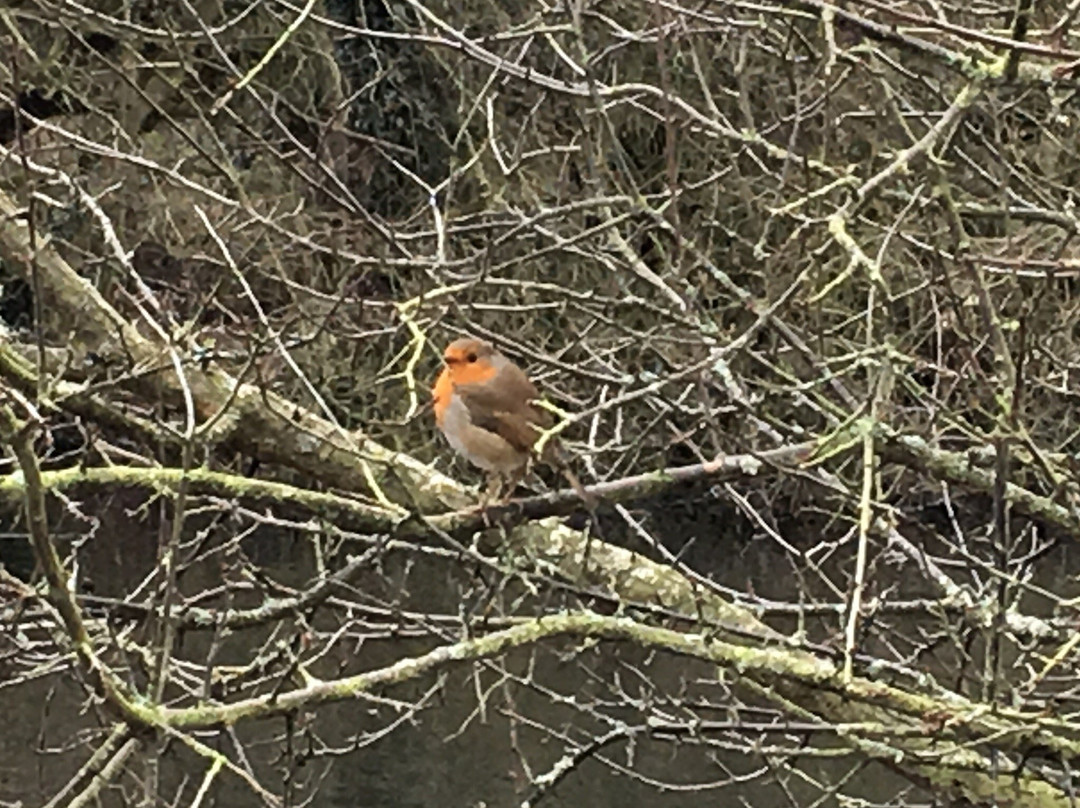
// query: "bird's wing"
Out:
[502,405]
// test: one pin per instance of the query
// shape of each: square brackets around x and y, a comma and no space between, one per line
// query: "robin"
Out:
[483,403]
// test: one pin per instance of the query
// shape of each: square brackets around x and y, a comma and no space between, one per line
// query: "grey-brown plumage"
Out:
[504,406]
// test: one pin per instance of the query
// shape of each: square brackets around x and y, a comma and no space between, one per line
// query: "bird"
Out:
[485,406]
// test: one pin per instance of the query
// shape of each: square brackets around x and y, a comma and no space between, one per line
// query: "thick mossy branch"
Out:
[346,512]
[929,736]
[766,662]
[956,467]
[615,571]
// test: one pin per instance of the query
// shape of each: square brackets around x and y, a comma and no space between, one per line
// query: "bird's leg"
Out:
[513,479]
[493,490]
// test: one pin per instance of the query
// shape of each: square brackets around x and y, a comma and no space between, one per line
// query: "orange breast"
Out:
[441,393]
[457,373]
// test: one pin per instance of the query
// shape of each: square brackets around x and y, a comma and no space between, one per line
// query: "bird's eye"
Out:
[471,357]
